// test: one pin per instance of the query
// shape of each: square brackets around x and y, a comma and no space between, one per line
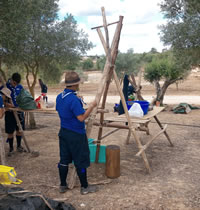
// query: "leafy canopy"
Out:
[163,67]
[182,29]
[31,35]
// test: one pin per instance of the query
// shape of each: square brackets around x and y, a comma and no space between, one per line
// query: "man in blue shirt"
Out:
[73,141]
[15,87]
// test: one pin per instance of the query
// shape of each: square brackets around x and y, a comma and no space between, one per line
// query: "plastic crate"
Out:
[144,105]
[93,149]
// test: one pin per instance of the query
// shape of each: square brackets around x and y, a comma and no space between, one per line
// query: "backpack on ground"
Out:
[25,100]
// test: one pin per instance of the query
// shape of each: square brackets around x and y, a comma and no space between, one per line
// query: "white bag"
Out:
[49,104]
[136,110]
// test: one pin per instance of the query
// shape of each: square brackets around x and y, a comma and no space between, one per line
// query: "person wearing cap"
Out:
[73,142]
[15,88]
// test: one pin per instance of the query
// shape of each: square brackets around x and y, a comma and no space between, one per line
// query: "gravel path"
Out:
[167,99]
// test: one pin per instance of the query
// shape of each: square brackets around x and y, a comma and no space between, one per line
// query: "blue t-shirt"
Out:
[1,102]
[69,106]
[15,91]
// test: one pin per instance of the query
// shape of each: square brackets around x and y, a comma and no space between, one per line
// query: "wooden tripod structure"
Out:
[108,73]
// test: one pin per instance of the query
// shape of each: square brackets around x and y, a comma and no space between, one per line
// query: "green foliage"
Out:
[127,63]
[164,66]
[22,25]
[182,29]
[30,34]
[101,63]
[87,64]
[153,50]
[51,73]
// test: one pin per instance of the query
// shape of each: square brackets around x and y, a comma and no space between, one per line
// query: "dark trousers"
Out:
[73,147]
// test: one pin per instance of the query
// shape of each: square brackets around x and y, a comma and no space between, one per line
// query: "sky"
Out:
[140,23]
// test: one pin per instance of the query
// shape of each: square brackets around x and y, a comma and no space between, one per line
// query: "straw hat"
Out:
[6,92]
[72,78]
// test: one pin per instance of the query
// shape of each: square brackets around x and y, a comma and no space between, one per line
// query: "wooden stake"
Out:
[151,140]
[3,157]
[21,130]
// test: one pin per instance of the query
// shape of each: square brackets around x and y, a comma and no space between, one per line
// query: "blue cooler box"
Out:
[144,105]
[93,149]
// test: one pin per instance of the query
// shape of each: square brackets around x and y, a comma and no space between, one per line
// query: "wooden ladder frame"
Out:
[108,73]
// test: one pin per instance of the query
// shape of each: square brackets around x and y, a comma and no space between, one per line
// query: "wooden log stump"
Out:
[112,161]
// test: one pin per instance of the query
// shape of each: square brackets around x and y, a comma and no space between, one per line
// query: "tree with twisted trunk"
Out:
[163,71]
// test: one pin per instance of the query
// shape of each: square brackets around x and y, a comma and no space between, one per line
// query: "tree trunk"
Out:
[2,74]
[34,71]
[137,88]
[160,91]
[32,123]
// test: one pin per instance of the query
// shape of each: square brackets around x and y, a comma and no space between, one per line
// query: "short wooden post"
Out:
[112,161]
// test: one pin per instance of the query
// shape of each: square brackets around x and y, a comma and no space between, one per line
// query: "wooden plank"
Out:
[123,119]
[49,110]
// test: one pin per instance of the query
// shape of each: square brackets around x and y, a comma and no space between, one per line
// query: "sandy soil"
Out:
[172,185]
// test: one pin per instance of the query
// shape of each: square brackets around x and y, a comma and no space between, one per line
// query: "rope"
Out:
[187,125]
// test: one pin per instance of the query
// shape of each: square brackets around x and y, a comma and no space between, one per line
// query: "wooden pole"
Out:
[111,57]
[108,55]
[130,123]
[151,140]
[165,132]
[105,75]
[3,157]
[102,117]
[21,130]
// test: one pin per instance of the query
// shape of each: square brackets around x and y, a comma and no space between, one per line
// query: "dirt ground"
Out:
[172,185]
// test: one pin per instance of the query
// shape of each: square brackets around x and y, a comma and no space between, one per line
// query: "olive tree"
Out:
[163,71]
[182,30]
[32,37]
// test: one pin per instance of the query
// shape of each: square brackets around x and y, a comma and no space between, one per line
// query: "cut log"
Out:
[112,161]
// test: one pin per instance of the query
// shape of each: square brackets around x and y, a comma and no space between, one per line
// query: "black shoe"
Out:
[20,149]
[10,153]
[63,189]
[89,189]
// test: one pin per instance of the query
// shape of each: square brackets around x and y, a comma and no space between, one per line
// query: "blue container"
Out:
[144,105]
